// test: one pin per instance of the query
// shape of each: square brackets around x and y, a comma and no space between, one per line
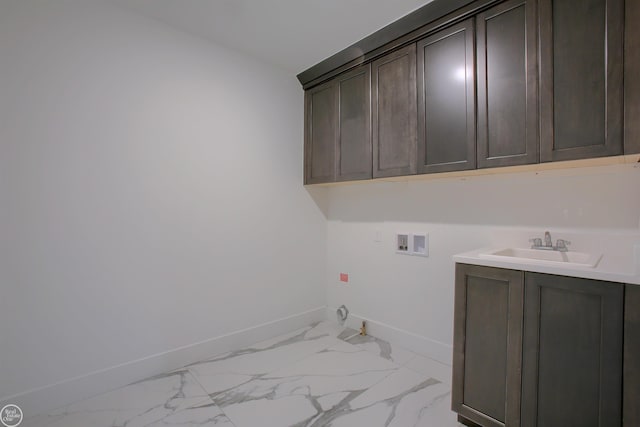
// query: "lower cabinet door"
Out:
[631,378]
[487,345]
[572,360]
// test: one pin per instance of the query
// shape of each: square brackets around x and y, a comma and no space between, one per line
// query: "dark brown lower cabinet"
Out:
[487,345]
[572,358]
[631,378]
[542,350]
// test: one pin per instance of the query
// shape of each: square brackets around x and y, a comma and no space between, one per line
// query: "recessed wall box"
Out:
[402,243]
[412,244]
[420,245]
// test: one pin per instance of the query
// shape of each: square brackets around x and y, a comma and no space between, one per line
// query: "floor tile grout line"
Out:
[404,365]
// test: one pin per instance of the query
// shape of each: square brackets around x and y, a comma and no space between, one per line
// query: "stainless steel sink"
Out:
[542,257]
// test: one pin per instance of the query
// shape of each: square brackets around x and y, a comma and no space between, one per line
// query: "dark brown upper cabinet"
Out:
[507,79]
[338,129]
[446,100]
[478,84]
[581,76]
[354,125]
[393,92]
[631,80]
[321,127]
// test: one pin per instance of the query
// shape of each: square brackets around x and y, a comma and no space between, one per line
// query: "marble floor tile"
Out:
[321,383]
[344,347]
[136,405]
[438,412]
[206,414]
[311,377]
[430,367]
[401,399]
[393,387]
[347,333]
[233,369]
[382,348]
[325,328]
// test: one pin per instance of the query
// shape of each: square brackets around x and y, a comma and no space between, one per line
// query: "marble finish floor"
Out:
[322,375]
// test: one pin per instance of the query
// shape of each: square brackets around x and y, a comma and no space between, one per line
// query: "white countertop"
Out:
[611,268]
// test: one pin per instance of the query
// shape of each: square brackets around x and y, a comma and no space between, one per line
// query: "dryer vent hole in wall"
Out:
[342,313]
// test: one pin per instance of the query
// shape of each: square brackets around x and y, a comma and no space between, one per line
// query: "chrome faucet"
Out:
[561,244]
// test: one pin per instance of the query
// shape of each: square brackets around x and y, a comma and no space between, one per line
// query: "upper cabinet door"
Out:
[354,121]
[446,100]
[581,57]
[394,113]
[507,85]
[321,105]
[338,128]
[631,80]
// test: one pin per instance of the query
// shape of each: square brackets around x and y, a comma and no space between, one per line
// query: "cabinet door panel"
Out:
[631,378]
[394,113]
[572,364]
[446,104]
[581,78]
[507,85]
[320,135]
[354,142]
[487,345]
[631,80]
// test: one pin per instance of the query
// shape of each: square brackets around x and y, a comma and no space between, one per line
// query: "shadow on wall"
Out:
[604,197]
[320,196]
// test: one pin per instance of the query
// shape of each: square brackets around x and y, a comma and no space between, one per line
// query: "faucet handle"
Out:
[537,242]
[562,244]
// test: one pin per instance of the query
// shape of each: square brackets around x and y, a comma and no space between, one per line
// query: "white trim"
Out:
[62,393]
[419,344]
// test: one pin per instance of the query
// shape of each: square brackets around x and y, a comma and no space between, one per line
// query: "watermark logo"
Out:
[11,416]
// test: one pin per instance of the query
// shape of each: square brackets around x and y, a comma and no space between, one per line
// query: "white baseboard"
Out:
[52,396]
[428,347]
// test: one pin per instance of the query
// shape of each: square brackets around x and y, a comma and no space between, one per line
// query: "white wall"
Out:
[410,299]
[150,197]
